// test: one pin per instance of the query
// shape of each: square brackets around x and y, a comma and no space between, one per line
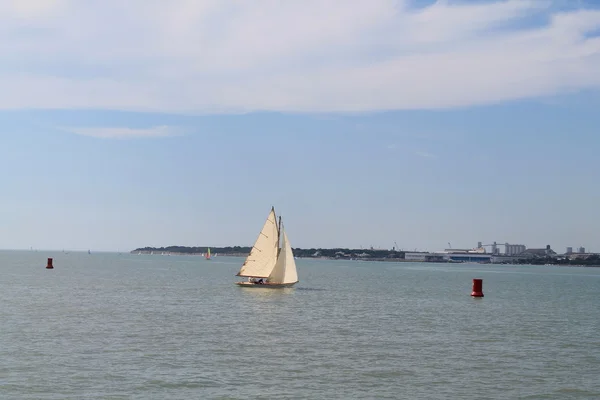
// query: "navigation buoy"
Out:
[477,288]
[49,266]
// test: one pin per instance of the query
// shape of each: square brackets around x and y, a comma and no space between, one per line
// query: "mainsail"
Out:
[263,256]
[285,268]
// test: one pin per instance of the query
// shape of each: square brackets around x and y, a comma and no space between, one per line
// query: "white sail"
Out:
[263,256]
[285,268]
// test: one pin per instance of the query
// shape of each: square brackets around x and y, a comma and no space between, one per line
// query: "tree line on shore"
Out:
[298,252]
[592,259]
[344,253]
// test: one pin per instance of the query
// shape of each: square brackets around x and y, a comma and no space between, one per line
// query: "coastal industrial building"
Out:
[579,254]
[479,254]
[457,256]
[514,249]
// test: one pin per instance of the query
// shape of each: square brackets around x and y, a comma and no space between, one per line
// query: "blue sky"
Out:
[363,123]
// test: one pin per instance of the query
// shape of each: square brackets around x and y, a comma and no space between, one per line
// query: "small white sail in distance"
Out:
[263,256]
[284,271]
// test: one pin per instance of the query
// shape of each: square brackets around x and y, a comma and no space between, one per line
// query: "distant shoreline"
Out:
[341,255]
[243,251]
[217,254]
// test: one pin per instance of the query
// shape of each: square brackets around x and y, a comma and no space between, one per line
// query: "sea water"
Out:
[123,326]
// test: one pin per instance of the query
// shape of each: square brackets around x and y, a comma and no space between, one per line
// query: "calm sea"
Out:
[110,326]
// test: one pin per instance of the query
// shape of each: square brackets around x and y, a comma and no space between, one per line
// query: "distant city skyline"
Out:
[364,123]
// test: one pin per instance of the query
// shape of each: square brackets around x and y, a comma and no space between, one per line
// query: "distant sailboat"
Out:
[270,263]
[207,256]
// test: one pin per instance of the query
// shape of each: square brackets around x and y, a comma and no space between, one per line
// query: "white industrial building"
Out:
[513,249]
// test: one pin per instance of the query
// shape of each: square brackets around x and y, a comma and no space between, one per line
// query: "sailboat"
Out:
[270,263]
[207,255]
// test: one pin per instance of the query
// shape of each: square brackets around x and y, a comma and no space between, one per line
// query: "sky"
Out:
[365,123]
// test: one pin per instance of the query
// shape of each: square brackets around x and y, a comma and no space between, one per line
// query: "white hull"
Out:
[265,285]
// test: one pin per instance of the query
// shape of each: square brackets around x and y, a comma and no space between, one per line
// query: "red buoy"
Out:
[49,266]
[477,288]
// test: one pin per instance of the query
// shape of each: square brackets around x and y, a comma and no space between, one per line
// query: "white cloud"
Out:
[193,56]
[30,9]
[125,133]
[425,154]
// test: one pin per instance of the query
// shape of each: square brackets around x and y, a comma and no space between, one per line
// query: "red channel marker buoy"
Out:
[477,288]
[49,266]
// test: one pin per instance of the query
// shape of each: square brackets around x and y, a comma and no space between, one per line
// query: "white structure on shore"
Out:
[514,249]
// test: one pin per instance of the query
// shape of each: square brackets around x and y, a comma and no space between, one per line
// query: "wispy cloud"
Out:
[425,154]
[331,56]
[125,133]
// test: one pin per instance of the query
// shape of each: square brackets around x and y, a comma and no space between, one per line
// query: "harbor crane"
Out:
[494,246]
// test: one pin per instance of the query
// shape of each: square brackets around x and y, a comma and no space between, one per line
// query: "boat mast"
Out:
[279,237]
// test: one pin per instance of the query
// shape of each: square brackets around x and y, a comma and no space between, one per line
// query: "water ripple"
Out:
[129,327]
